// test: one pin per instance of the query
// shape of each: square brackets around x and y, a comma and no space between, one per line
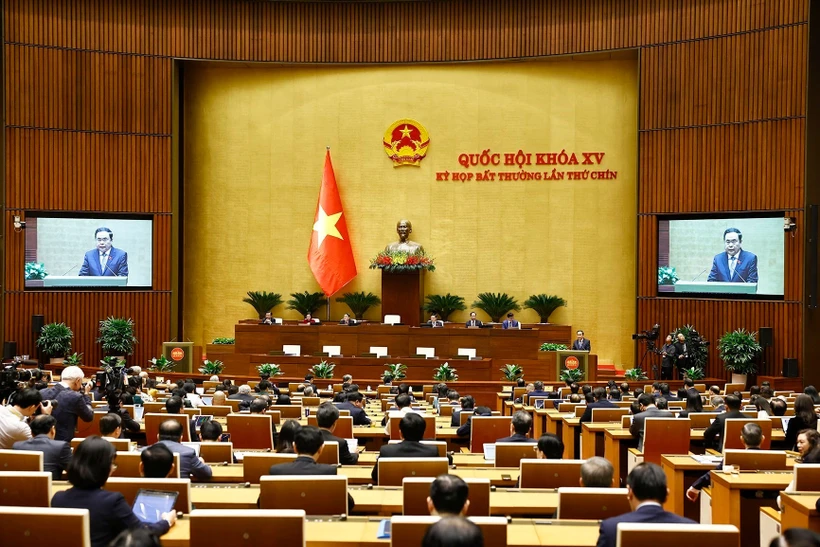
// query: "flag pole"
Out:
[328,298]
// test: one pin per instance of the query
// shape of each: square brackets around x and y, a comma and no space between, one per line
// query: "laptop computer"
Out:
[138,412]
[195,446]
[200,419]
[150,505]
[207,400]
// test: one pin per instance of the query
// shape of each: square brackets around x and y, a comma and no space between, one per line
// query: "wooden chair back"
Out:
[488,429]
[153,407]
[567,407]
[234,404]
[394,419]
[535,473]
[22,526]
[756,460]
[592,503]
[251,431]
[415,491]
[128,465]
[330,456]
[728,389]
[219,410]
[343,429]
[447,410]
[86,429]
[608,414]
[153,420]
[393,470]
[579,410]
[806,477]
[633,534]
[311,401]
[702,420]
[123,445]
[243,527]
[208,385]
[288,411]
[130,486]
[191,412]
[408,531]
[216,452]
[318,495]
[511,454]
[665,436]
[733,426]
[626,421]
[257,465]
[21,460]
[275,415]
[440,445]
[25,488]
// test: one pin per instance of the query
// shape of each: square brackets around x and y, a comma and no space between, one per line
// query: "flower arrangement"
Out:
[35,270]
[667,275]
[400,261]
[552,346]
[161,364]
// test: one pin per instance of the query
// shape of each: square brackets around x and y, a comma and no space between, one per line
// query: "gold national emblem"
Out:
[177,354]
[571,363]
[406,142]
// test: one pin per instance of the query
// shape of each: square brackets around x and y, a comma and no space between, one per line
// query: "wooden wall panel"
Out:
[713,168]
[65,170]
[740,78]
[88,94]
[714,317]
[83,311]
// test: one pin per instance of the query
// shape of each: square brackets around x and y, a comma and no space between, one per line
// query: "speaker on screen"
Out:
[9,350]
[766,336]
[37,323]
[789,368]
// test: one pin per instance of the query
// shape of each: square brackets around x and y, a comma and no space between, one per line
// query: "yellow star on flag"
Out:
[325,225]
[405,132]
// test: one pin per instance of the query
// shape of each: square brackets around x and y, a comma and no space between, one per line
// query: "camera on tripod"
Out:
[649,335]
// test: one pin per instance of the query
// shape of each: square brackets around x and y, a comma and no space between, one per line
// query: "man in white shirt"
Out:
[13,425]
[403,402]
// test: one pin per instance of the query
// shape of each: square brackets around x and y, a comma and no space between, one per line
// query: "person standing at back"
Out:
[73,402]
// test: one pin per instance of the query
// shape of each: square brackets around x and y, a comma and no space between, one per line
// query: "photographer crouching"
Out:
[14,417]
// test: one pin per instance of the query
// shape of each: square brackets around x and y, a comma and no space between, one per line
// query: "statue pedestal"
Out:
[402,295]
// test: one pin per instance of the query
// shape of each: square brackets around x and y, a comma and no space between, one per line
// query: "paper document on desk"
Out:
[707,460]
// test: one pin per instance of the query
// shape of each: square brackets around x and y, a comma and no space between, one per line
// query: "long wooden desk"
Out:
[799,511]
[361,531]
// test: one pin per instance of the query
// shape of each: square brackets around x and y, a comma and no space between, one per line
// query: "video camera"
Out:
[649,335]
[111,379]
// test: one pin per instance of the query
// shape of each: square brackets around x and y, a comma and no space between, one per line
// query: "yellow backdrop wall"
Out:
[254,144]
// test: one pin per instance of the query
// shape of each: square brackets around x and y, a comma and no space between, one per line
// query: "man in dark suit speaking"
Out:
[105,259]
[734,265]
[646,492]
[581,343]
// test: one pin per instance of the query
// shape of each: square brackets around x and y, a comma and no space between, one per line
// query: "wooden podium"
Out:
[402,295]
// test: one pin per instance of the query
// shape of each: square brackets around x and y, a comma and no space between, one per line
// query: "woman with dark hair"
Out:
[804,418]
[811,391]
[764,409]
[808,445]
[110,514]
[693,404]
[286,435]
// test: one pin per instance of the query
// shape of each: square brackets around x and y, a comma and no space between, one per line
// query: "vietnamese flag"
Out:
[330,254]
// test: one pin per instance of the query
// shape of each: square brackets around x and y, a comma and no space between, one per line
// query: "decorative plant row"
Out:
[399,261]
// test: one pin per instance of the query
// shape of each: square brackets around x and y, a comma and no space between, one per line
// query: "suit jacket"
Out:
[507,324]
[796,425]
[608,534]
[473,323]
[603,403]
[358,414]
[117,264]
[56,454]
[351,322]
[404,449]
[345,457]
[745,269]
[638,422]
[108,510]
[70,406]
[305,465]
[715,429]
[679,350]
[583,345]
[517,438]
[668,359]
[438,323]
[189,463]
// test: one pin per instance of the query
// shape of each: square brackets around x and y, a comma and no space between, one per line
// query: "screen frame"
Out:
[37,214]
[717,215]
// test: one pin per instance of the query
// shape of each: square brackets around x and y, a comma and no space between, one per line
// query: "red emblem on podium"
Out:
[406,142]
[571,362]
[177,354]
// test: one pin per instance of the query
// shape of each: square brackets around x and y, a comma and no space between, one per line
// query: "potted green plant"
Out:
[74,360]
[35,271]
[396,370]
[667,275]
[445,373]
[117,336]
[571,375]
[359,302]
[443,305]
[544,305]
[266,370]
[635,374]
[552,346]
[696,346]
[496,305]
[211,368]
[323,370]
[512,372]
[306,302]
[263,301]
[55,341]
[112,361]
[739,350]
[694,373]
[161,364]
[224,341]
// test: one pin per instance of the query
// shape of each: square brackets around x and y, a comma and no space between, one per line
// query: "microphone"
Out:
[115,274]
[738,273]
[700,274]
[71,268]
